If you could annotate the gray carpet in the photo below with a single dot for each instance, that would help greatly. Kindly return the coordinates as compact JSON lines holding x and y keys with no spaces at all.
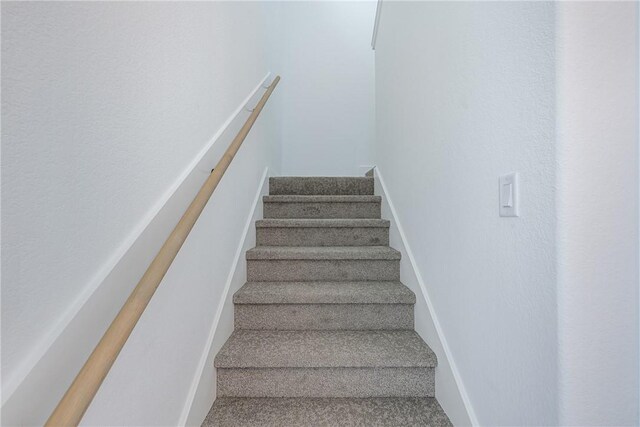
{"x":324,"y":328}
{"x":372,"y":412}
{"x":321,"y":349}
{"x":323,"y":206}
{"x":324,"y":293}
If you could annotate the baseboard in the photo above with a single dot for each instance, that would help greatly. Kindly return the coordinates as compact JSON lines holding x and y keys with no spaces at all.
{"x":203,"y":387}
{"x":450,"y":390}
{"x":33,"y":391}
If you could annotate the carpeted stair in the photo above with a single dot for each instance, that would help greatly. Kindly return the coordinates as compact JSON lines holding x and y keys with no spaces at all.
{"x":323,"y":327}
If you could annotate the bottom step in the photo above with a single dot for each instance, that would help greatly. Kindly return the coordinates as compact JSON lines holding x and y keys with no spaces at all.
{"x":293,"y":412}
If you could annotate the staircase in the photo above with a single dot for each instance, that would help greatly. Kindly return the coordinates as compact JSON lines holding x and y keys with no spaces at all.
{"x":323,"y":327}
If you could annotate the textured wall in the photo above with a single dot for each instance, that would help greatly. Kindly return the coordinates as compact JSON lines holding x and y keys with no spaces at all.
{"x":598,"y":212}
{"x":105,"y":106}
{"x":465,"y":93}
{"x":328,"y":100}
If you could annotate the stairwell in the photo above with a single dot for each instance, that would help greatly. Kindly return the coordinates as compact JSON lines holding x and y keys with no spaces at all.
{"x":324,"y":329}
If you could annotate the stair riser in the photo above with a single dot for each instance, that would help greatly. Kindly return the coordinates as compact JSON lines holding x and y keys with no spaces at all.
{"x":322,"y":270}
{"x":289,"y":412}
{"x":322,"y":236}
{"x":321,"y":186}
{"x":321,"y":210}
{"x":323,"y":316}
{"x":326,"y":382}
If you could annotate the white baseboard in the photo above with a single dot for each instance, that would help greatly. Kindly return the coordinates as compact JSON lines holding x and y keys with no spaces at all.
{"x":34,"y":389}
{"x":203,"y":387}
{"x":450,"y":390}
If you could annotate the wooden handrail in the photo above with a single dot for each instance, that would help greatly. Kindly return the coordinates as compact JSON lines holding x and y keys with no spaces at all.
{"x":76,"y":400}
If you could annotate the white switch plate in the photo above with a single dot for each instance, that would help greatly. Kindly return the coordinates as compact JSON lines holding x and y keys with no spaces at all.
{"x":509,"y":195}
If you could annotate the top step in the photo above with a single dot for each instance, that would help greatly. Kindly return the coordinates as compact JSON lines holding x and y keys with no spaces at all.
{"x":312,"y":185}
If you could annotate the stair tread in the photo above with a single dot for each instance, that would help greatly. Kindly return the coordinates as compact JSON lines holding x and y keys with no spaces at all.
{"x":310,"y":185}
{"x":320,"y":198}
{"x":324,"y":293}
{"x":298,"y":412}
{"x":324,"y":349}
{"x":321,"y":222}
{"x":322,"y":253}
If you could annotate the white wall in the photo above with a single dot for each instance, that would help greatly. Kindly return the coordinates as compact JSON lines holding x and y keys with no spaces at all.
{"x":328,"y":89}
{"x":449,"y":391}
{"x":540,"y":312}
{"x":465,"y":93}
{"x":109,"y":111}
{"x":598,"y":212}
{"x":204,"y":391}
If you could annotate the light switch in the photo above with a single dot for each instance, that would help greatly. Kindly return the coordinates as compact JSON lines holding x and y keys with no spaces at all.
{"x":509,"y":195}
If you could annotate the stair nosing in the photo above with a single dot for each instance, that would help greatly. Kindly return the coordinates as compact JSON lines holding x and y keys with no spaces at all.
{"x":321,"y":198}
{"x":323,"y":223}
{"x":320,"y":253}
{"x":249,"y":293}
